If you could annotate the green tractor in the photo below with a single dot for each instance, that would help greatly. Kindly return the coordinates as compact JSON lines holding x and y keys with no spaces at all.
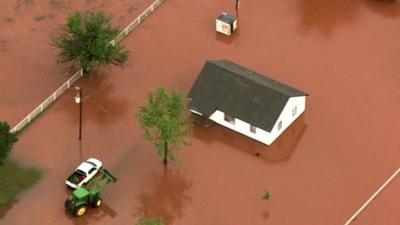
{"x":90,"y":194}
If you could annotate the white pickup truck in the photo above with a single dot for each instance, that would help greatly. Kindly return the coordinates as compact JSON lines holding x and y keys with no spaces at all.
{"x":83,"y":173}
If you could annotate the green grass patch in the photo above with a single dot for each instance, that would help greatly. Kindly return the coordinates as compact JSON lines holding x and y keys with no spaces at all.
{"x":15,"y":179}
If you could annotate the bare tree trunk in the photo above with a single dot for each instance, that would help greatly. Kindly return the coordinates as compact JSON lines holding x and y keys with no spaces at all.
{"x":165,"y":153}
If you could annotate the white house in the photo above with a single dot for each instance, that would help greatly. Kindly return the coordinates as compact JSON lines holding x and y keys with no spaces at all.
{"x":244,"y":101}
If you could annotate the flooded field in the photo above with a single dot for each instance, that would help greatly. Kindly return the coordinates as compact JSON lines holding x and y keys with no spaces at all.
{"x":320,"y":171}
{"x":28,"y":62}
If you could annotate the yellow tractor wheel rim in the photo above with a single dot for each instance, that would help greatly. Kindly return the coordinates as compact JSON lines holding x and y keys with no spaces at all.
{"x":98,"y":203}
{"x":81,"y":211}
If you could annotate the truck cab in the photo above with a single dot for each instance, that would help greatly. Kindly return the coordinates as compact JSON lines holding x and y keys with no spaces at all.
{"x":84,"y":173}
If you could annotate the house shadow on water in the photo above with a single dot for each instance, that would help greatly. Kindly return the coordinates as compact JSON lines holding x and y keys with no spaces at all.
{"x":281,"y":150}
{"x":166,"y":197}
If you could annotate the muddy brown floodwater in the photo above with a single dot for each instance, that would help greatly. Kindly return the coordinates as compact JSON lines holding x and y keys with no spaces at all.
{"x":343,"y":53}
{"x":29,"y":69}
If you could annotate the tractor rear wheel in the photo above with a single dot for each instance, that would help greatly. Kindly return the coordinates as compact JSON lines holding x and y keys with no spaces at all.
{"x":97,"y":202}
{"x":80,"y":210}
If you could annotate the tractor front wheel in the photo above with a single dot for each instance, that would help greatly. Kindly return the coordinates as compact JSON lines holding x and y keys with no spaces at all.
{"x":97,"y":202}
{"x":80,"y":210}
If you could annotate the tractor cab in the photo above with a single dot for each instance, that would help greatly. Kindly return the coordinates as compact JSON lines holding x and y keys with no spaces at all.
{"x":80,"y":195}
{"x":89,"y":194}
{"x":79,"y":201}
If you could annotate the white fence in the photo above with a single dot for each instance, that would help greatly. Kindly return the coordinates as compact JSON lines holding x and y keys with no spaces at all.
{"x":54,"y":96}
{"x":362,"y":208}
{"x":125,"y":32}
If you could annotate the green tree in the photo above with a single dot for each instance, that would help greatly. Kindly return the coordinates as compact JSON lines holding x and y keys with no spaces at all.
{"x":165,"y":123}
{"x":151,"y":221}
{"x":7,"y":140}
{"x":85,"y":40}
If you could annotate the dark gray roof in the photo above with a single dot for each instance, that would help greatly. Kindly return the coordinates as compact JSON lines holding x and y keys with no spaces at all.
{"x":227,"y":18}
{"x":240,"y":92}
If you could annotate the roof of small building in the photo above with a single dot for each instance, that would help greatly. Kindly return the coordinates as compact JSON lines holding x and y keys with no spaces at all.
{"x":227,"y":18}
{"x":240,"y":92}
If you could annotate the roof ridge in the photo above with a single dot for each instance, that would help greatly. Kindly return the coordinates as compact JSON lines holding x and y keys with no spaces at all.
{"x":253,"y":75}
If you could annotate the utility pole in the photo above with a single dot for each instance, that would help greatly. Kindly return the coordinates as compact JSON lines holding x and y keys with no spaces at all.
{"x":79,"y":100}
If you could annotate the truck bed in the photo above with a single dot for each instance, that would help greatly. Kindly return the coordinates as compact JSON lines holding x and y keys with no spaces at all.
{"x":75,"y":178}
{"x":98,"y":182}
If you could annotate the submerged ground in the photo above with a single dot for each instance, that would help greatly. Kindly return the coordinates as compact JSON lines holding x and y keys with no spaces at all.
{"x":343,"y":53}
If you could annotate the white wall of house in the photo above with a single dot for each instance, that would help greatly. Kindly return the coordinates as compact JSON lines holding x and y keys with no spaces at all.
{"x":293,"y":109}
{"x":241,"y":127}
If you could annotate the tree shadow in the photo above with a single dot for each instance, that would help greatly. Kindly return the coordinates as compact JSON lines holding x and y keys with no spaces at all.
{"x":324,"y":16}
{"x":281,"y":150}
{"x":266,"y":215}
{"x":99,"y":106}
{"x":166,"y":197}
{"x":386,"y":8}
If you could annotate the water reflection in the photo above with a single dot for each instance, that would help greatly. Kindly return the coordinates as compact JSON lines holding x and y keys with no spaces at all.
{"x":266,"y":215}
{"x":98,"y":106}
{"x":225,"y":39}
{"x":386,"y":8}
{"x":167,"y":197}
{"x":280,"y":150}
{"x":324,"y":16}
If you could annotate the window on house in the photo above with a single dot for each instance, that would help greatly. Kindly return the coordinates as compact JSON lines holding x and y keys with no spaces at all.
{"x":280,"y":125}
{"x":252,"y":129}
{"x":294,"y":111}
{"x":229,"y":118}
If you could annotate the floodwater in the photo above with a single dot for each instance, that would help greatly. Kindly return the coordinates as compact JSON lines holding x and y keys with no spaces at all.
{"x":343,"y":53}
{"x":28,"y":62}
{"x":383,"y":210}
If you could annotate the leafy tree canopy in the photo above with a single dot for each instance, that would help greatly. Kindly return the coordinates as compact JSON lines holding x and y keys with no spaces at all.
{"x":85,"y":40}
{"x":165,"y":122}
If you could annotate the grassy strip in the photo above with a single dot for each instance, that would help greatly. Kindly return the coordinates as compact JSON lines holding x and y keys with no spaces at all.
{"x":15,"y":179}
